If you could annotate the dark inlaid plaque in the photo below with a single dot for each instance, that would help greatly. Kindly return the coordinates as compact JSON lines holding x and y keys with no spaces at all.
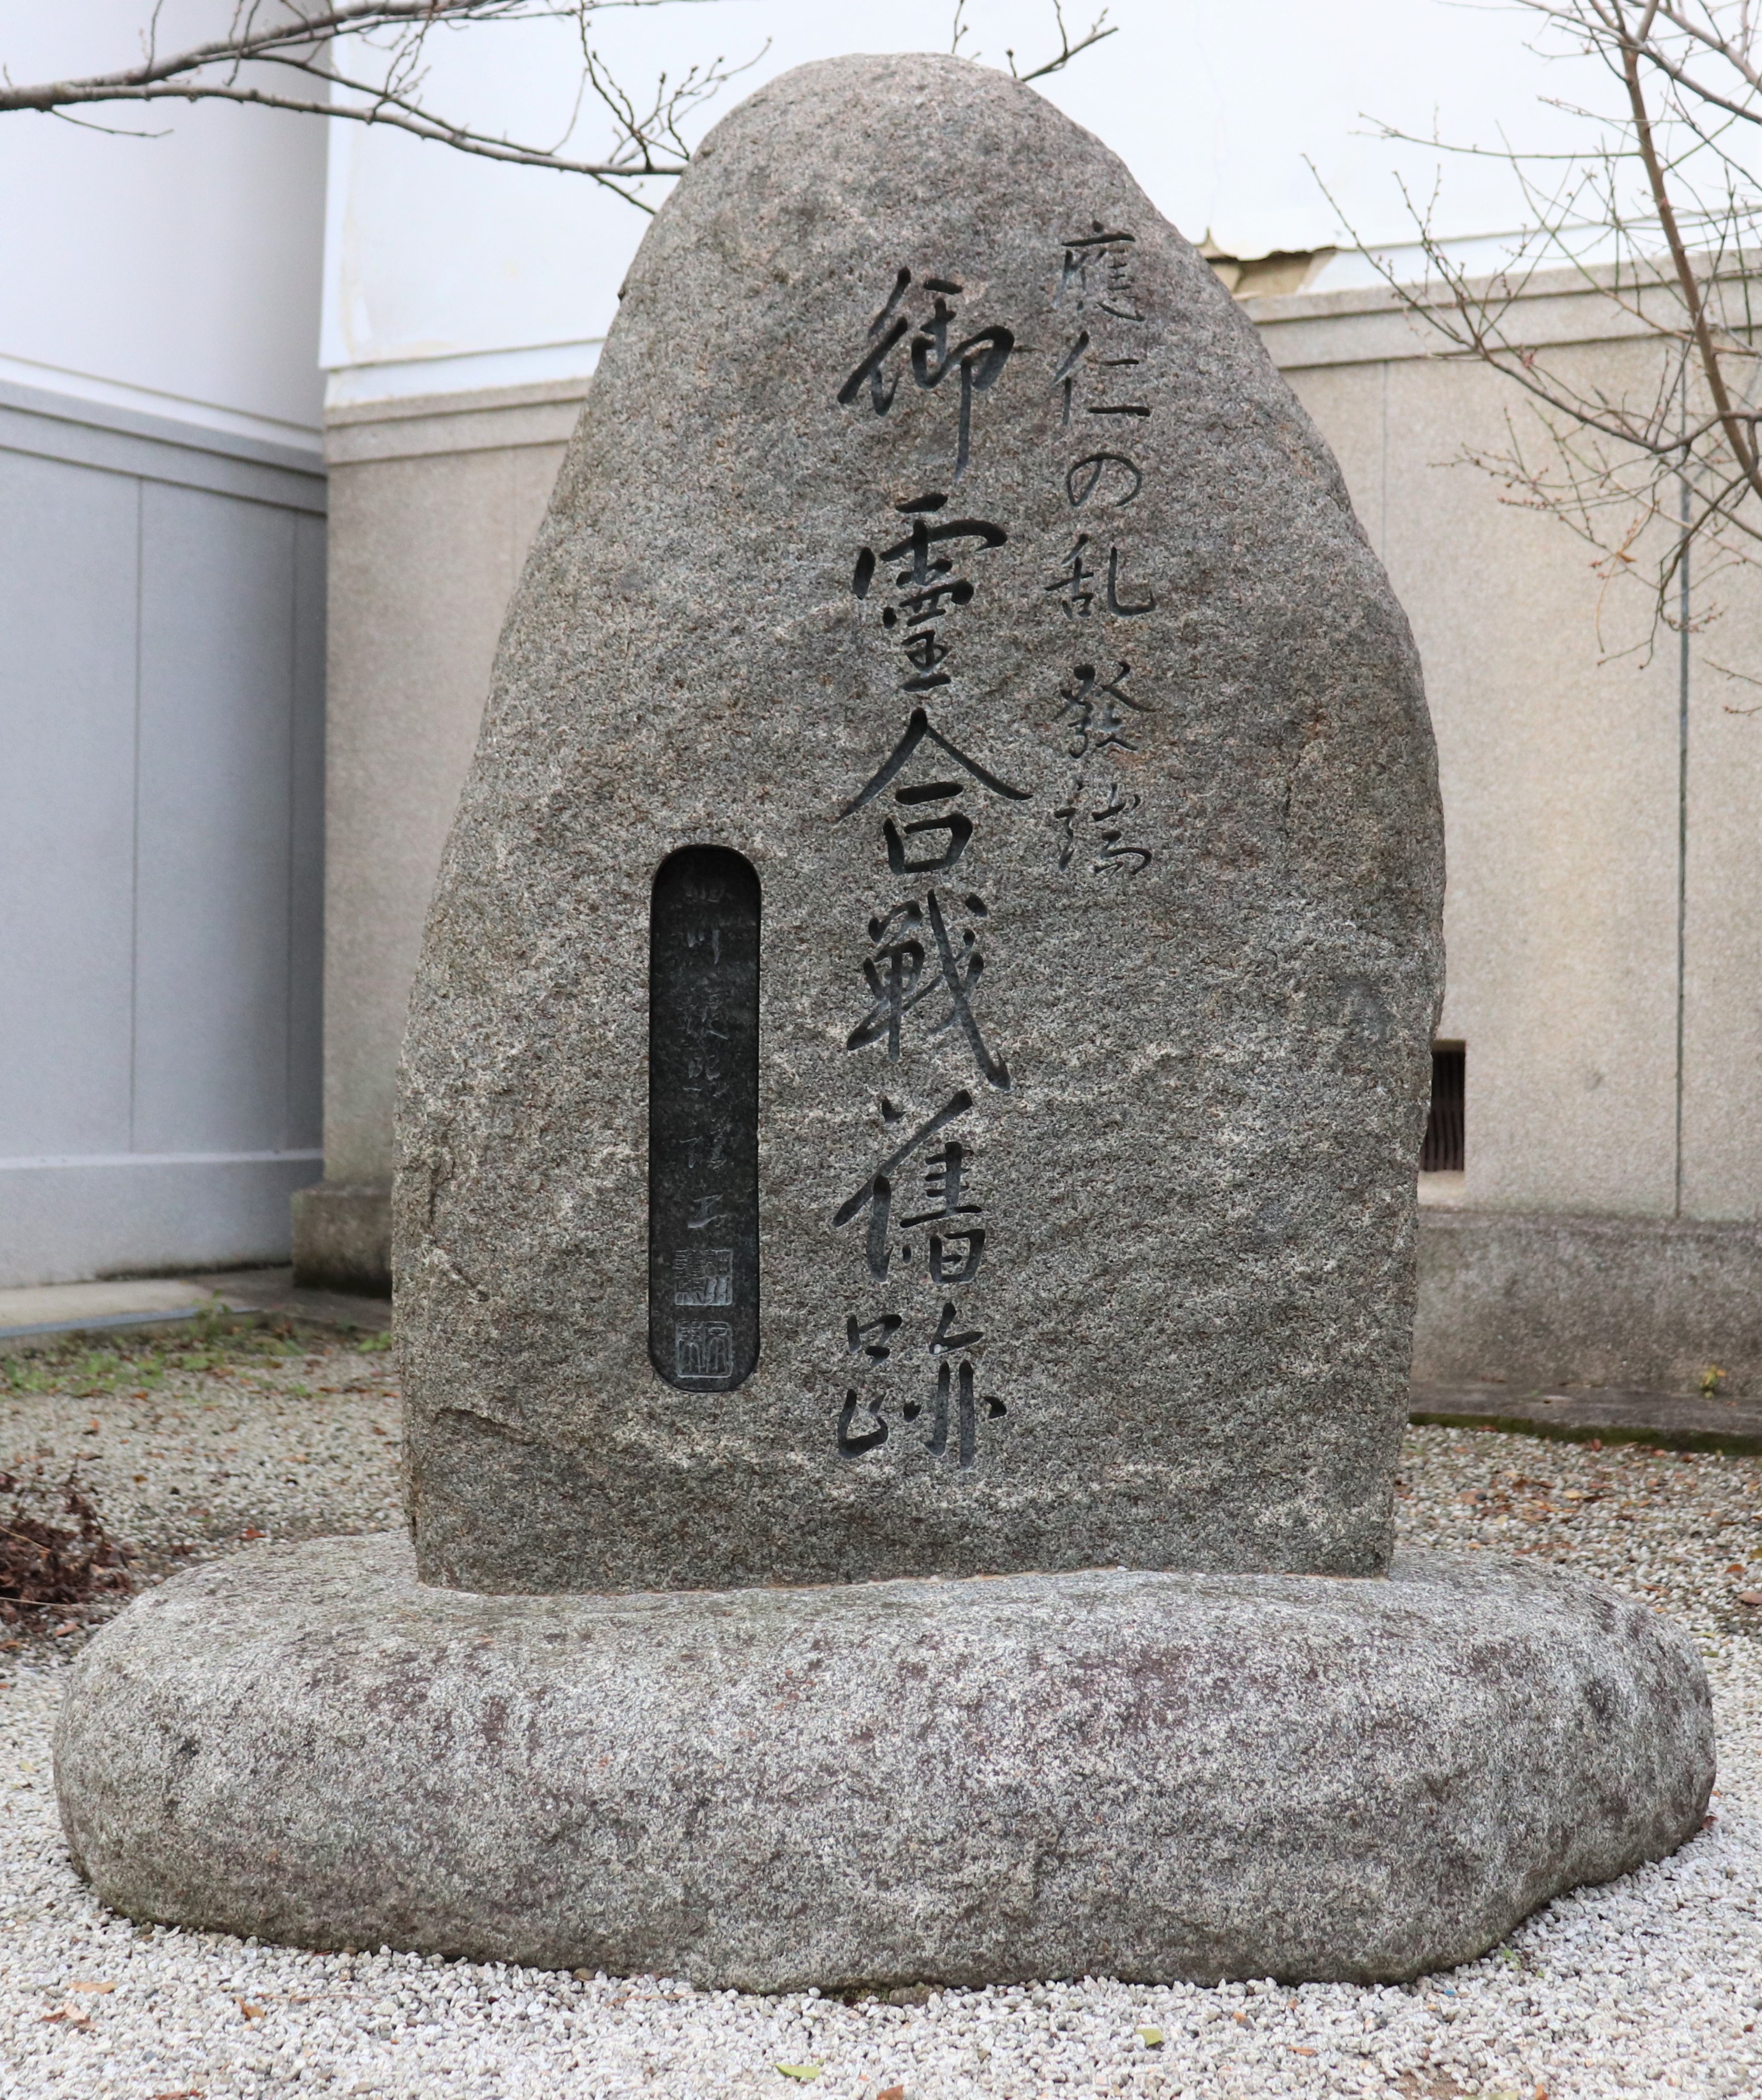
{"x":703,"y":1120}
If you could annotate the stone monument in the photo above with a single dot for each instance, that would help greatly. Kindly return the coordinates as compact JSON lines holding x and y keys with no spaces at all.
{"x":905,"y":1232}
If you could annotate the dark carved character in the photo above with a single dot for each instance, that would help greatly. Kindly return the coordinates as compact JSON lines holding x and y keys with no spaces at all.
{"x":1095,"y":707}
{"x":854,"y":1447}
{"x":1097,"y":271}
{"x":918,"y":732}
{"x":885,"y":1326}
{"x":1111,"y":856}
{"x":1073,"y":581}
{"x":956,"y":827}
{"x":1101,"y":475}
{"x":956,"y":1404}
{"x":876,"y":1194}
{"x":956,"y":1251}
{"x":1115,"y":603}
{"x":1065,"y":816}
{"x":929,"y":844}
{"x":1075,"y":366}
{"x":979,"y":358}
{"x":956,"y":1397}
{"x":1129,"y":860}
{"x":902,"y":973}
{"x":927,"y":589}
{"x":945,"y":1342}
{"x":958,"y":1384}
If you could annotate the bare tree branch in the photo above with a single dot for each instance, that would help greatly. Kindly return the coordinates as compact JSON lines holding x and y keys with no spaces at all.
{"x":1659,"y":216}
{"x":1631,"y":49}
{"x":364,"y":62}
{"x":1067,"y":51}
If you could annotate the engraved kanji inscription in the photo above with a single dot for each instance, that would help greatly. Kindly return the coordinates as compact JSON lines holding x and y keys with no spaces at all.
{"x":978,"y":359}
{"x":1108,"y":480}
{"x":907,"y":968}
{"x":1091,"y":824}
{"x":926,"y":590}
{"x":703,"y":1120}
{"x":1078,"y":584}
{"x":874,"y":1195}
{"x":918,"y":731}
{"x":1100,"y":710}
{"x":1098,"y":272}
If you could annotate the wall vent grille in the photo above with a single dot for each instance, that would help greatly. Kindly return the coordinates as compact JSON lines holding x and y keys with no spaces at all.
{"x":1442,"y":1151}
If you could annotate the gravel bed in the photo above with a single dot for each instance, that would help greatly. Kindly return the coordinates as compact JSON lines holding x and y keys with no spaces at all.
{"x":236,"y":1435}
{"x":1653,"y":1983}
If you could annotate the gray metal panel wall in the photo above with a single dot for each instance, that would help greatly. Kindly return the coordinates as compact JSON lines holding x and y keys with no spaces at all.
{"x":161,"y":717}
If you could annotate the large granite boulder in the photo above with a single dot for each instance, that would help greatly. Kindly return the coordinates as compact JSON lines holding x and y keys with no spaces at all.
{"x":1127,"y":1774}
{"x":922,"y":1041}
{"x":916,"y":1072}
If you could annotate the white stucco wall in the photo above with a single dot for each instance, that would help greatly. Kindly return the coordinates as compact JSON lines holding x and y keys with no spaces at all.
{"x":444,"y":274}
{"x":175,"y":275}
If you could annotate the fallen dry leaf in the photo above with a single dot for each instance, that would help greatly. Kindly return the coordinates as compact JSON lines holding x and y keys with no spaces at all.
{"x":251,"y":2012}
{"x":891,"y":2093}
{"x":806,"y":2072}
{"x":91,"y":1987}
{"x":1750,"y":1597}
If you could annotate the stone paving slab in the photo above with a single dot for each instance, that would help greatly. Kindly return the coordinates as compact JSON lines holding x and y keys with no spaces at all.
{"x":273,"y":1290}
{"x":58,"y":1311}
{"x":1669,"y":1421}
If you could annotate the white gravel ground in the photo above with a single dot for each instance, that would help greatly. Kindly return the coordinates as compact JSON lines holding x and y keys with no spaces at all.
{"x":1652,"y":1983}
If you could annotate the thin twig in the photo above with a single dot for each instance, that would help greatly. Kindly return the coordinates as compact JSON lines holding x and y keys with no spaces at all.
{"x":1658,"y":217}
{"x":1067,"y":51}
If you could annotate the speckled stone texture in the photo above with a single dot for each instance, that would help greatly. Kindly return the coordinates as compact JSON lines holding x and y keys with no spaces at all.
{"x":1127,"y":1774}
{"x":1130,"y":964}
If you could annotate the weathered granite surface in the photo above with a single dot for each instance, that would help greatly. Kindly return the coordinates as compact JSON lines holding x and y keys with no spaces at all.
{"x":1182,"y":866}
{"x":1137,"y":1775}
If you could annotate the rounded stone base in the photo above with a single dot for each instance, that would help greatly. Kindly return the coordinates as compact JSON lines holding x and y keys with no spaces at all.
{"x":1145,"y":1775}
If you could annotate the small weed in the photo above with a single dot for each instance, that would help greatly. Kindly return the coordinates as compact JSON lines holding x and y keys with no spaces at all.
{"x":214,"y":1342}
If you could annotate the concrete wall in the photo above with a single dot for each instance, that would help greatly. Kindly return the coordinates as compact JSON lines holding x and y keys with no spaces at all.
{"x":1567,"y":801}
{"x":162,"y":708}
{"x":444,"y":271}
{"x":1604,"y":1229}
{"x":434,"y":502}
